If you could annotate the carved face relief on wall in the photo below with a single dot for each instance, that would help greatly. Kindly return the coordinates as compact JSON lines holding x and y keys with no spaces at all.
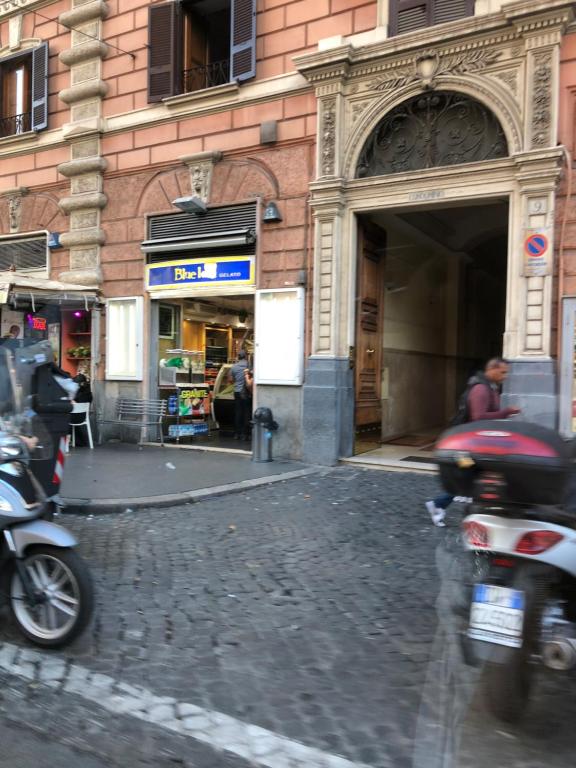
{"x":14,"y":213}
{"x":200,"y":174}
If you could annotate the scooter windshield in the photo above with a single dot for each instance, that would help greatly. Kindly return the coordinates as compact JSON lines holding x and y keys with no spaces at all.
{"x":24,"y":429}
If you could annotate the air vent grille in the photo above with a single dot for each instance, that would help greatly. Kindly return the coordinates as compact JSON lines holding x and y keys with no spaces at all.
{"x":24,"y":255}
{"x":214,"y":222}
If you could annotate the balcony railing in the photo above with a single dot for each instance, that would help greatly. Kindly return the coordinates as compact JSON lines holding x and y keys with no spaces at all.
{"x":198,"y":78}
{"x":12,"y":126}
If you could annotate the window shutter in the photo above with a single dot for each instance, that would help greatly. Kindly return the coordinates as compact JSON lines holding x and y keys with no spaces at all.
{"x":164,"y":28}
{"x":408,"y":15}
{"x":40,"y":88}
{"x":449,"y":10}
{"x":243,"y":40}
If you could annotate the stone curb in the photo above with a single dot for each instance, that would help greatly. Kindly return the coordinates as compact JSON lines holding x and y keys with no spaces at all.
{"x":110,"y":506}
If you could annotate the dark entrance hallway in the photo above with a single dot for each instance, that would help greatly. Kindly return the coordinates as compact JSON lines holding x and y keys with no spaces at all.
{"x":440,"y":303}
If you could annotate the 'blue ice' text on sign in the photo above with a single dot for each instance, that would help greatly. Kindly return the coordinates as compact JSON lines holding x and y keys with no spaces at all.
{"x":223,"y":270}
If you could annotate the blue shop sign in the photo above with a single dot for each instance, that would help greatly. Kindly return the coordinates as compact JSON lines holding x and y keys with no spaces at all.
{"x":222,"y":270}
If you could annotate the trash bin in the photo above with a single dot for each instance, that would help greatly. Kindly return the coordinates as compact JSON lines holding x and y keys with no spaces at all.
{"x":263,"y":425}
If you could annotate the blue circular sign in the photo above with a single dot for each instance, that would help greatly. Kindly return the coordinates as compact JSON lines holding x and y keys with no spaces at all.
{"x":536,"y":245}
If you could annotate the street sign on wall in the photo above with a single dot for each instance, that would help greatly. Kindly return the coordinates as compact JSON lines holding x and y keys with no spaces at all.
{"x":537,"y":253}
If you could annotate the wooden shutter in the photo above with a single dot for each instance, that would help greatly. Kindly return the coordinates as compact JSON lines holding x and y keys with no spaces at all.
{"x":40,"y":88}
{"x":164,"y":47}
{"x":449,"y":10}
{"x":243,"y":40}
{"x":408,"y":15}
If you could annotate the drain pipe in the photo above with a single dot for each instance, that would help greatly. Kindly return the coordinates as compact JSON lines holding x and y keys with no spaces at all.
{"x":561,"y":246}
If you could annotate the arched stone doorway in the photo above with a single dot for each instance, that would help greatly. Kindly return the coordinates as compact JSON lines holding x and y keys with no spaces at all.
{"x":431,"y":279}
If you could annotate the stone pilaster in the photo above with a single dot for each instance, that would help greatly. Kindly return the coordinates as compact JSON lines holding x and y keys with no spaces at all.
{"x":532,"y":280}
{"x":327,"y":278}
{"x":86,"y":165}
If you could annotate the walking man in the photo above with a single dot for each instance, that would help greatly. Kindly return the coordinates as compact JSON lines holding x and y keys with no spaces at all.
{"x":480,"y":402}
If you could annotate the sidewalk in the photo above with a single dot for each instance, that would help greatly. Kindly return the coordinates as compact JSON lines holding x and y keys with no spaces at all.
{"x":120,"y":476}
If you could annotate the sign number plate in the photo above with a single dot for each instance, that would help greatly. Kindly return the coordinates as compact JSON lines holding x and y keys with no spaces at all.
{"x":497,"y":615}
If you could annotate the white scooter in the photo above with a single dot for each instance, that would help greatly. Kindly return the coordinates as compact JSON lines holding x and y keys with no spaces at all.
{"x":521,"y":598}
{"x":44,"y":582}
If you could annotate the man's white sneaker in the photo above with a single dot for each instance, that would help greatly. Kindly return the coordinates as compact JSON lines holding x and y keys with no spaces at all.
{"x":438,"y":520}
{"x":437,"y":515}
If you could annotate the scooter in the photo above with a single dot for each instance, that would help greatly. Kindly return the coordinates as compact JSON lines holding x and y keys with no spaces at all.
{"x":520,"y":601}
{"x":45,"y":583}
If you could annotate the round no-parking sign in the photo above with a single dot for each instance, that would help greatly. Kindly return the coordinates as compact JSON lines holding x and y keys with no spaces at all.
{"x":536,"y":250}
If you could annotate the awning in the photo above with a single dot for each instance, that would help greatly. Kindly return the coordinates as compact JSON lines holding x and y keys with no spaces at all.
{"x":230,"y":238}
{"x":16,"y":286}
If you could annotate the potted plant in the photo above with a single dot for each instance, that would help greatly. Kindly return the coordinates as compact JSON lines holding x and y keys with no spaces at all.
{"x":79,"y":351}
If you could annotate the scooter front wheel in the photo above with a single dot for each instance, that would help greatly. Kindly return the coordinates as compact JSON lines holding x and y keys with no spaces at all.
{"x":66,"y":597}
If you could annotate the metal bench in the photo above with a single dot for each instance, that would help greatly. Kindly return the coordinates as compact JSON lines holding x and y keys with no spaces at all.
{"x":133,"y":412}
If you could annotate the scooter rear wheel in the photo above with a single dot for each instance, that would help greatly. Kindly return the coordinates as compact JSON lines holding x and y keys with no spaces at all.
{"x":62,"y":578}
{"x":508,"y":686}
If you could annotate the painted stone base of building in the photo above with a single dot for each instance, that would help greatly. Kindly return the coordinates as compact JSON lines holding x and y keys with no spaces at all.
{"x":533,"y":386}
{"x":328,"y":404}
{"x":328,"y":410}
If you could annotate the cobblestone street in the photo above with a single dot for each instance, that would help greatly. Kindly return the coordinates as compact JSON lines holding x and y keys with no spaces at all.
{"x":302,"y":613}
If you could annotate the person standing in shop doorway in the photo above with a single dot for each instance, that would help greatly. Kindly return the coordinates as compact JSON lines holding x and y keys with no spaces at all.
{"x":237,"y":376}
{"x":480,"y":401}
{"x":248,"y":392}
{"x":13,"y":333}
{"x":10,"y":339}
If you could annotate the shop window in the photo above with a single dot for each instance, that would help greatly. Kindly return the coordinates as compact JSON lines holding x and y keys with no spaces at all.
{"x":27,"y":254}
{"x":409,"y":15}
{"x":166,"y":321}
{"x":124,"y":347}
{"x":24,"y":92}
{"x":197,"y":44}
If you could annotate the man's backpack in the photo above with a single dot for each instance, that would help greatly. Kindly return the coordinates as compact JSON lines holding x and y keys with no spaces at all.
{"x":462,"y":415}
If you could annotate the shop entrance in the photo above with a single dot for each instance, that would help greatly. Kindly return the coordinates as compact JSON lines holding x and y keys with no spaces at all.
{"x":199,"y":339}
{"x":430,"y":310}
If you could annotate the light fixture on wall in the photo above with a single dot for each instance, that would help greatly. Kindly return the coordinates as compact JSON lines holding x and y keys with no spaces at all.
{"x":271,"y":213}
{"x":54,"y":240}
{"x":190,"y":204}
{"x":394,"y":288}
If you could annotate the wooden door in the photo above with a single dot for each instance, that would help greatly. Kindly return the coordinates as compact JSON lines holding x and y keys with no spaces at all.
{"x":369,"y":322}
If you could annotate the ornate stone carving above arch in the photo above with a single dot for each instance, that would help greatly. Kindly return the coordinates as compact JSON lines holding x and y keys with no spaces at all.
{"x":232,"y":181}
{"x":493,"y":98}
{"x":36,"y":211}
{"x":431,"y":130}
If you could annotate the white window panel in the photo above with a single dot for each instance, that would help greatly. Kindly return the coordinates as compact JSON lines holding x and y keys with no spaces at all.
{"x":124,"y":342}
{"x":279,"y":336}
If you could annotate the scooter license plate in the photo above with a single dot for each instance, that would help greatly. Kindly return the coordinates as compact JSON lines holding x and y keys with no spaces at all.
{"x":497,"y":615}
